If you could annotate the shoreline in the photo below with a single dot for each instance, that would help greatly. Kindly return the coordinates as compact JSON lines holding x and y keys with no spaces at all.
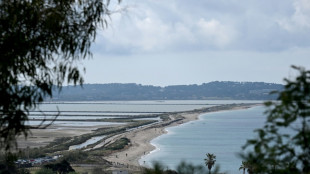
{"x":141,"y":138}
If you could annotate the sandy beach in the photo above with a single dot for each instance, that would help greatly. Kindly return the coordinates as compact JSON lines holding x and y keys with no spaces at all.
{"x":141,"y":138}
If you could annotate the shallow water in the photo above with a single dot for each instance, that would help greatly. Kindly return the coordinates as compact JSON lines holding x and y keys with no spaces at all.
{"x":221,"y":133}
{"x":113,"y":109}
{"x":70,"y":117}
{"x":86,"y":143}
{"x":74,"y":123}
{"x":137,"y":106}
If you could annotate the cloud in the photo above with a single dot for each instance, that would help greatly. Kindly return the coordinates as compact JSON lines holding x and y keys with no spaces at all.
{"x":214,"y":32}
{"x":300,"y":20}
{"x":140,"y":29}
{"x":150,"y":26}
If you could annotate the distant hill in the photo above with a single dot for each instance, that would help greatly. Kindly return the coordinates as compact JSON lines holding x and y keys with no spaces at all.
{"x":131,"y":91}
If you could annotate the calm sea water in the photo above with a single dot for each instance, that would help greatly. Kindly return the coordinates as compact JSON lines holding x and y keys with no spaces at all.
{"x":221,"y":133}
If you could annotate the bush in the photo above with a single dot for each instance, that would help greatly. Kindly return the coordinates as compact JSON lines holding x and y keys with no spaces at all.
{"x":45,"y":171}
{"x":62,"y":167}
{"x":75,"y":156}
{"x":119,"y":144}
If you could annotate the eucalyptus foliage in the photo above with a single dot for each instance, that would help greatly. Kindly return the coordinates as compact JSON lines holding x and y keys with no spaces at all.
{"x":283,"y":144}
{"x":41,"y":45}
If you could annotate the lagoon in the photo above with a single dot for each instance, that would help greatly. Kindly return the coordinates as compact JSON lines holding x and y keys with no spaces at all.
{"x":83,"y":110}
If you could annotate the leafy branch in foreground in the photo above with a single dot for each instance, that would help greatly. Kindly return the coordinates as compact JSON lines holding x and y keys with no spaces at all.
{"x":41,"y":43}
{"x":283,"y":144}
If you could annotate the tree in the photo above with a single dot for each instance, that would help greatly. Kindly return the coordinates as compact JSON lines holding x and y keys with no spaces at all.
{"x":41,"y":44}
{"x":243,"y":166}
{"x":62,"y":167}
{"x":210,"y":161}
{"x":283,"y":144}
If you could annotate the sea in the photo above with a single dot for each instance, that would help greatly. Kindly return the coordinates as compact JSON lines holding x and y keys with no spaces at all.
{"x":220,"y":133}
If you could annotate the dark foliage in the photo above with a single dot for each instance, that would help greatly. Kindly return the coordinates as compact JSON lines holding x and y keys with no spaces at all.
{"x":7,"y":164}
{"x":158,"y":168}
{"x":62,"y":167}
{"x":45,"y":171}
{"x":182,"y":168}
{"x":75,"y":156}
{"x":118,"y":144}
{"x":41,"y":43}
{"x":283,"y":144}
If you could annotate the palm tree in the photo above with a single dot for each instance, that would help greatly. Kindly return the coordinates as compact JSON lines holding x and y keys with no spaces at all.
{"x":243,"y":166}
{"x":210,"y":161}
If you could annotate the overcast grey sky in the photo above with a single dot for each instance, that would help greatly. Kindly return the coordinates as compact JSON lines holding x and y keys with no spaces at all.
{"x":170,"y":42}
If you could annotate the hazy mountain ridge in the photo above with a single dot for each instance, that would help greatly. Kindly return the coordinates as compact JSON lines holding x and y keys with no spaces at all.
{"x":132,"y":91}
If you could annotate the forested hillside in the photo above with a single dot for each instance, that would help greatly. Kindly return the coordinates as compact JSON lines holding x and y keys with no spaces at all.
{"x":212,"y":90}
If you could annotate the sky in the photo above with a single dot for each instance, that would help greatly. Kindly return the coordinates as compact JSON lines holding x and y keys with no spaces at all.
{"x":181,"y":42}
